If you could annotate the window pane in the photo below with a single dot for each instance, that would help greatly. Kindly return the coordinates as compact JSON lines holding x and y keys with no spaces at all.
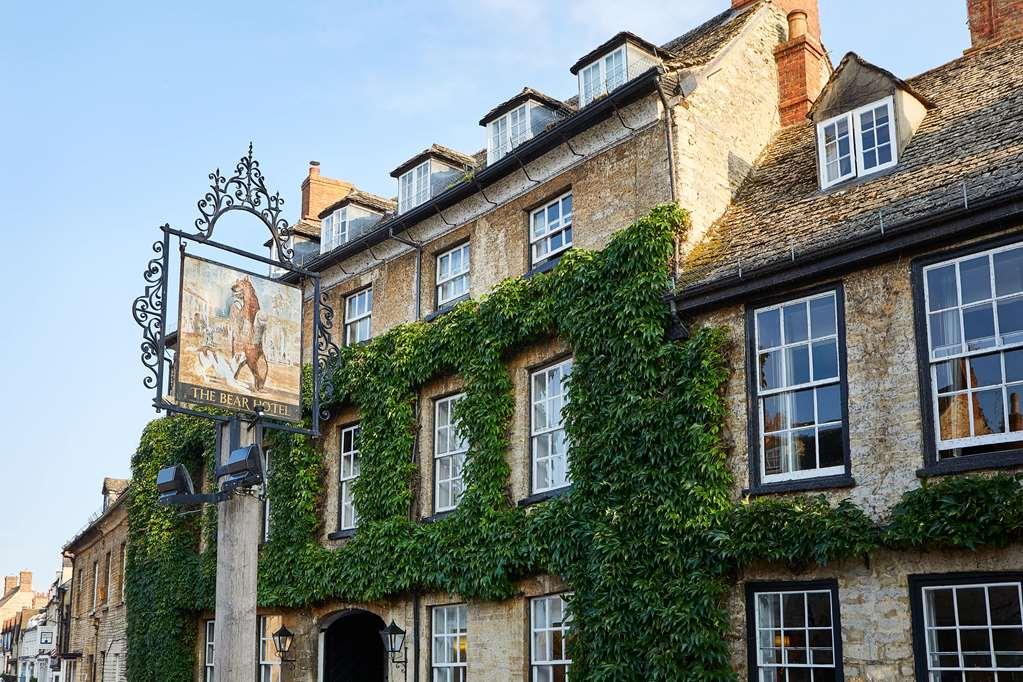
{"x":975,"y":279}
{"x":768,"y":329}
{"x":802,"y":407}
{"x":986,"y":370}
{"x":1009,"y":271}
{"x":829,"y":404}
{"x":831,"y":448}
{"x":945,"y":338}
{"x":979,"y":326}
{"x":825,"y":359}
{"x":797,"y":365}
{"x":795,"y":322}
{"x":776,"y":454}
{"x":770,"y":370}
{"x":822,"y":316}
{"x":940,"y":608}
{"x":951,"y":375}
{"x":989,"y":416}
{"x":1015,"y":408}
{"x":804,"y":449}
{"x":953,"y":417}
{"x":1005,"y":605}
{"x":775,"y":413}
{"x":941,"y":288}
{"x":1010,"y":320}
{"x":818,"y":606}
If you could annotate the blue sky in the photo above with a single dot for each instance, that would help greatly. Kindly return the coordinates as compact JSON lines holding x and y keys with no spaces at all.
{"x":113,"y":113}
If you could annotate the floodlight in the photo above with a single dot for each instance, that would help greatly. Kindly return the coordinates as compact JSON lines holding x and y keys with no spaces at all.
{"x":173,"y":482}
{"x":245,"y":468}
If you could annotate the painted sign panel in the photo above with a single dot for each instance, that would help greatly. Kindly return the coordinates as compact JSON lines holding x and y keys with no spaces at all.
{"x":239,"y":341}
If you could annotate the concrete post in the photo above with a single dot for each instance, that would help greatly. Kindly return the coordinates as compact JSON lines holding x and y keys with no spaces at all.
{"x":239,"y":523}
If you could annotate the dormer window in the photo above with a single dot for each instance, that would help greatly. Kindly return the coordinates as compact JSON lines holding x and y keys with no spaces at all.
{"x":507,"y":132}
{"x":602,"y":76}
{"x":857,"y":143}
{"x":345,"y":224}
{"x":414,"y":187}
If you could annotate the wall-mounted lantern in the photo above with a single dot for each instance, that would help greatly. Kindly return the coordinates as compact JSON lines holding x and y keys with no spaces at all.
{"x":394,"y":644}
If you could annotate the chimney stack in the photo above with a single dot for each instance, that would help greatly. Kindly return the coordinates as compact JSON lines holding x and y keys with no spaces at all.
{"x":803,"y":66}
{"x":813,"y":17}
{"x":25,"y":581}
{"x":10,"y":584}
{"x":319,"y":192}
{"x":992,"y":21}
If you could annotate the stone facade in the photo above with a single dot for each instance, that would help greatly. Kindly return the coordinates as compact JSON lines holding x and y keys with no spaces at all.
{"x":695,"y":141}
{"x":97,"y":640}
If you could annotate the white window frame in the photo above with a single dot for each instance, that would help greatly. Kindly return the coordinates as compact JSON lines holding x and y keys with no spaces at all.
{"x":209,"y":648}
{"x":765,"y":669}
{"x":502,"y":135}
{"x":267,"y":663}
{"x":546,"y":629}
{"x":449,"y":628}
{"x":334,"y":230}
{"x":454,"y":456}
{"x":446,"y":275}
{"x":348,"y":473}
{"x":414,"y":187}
{"x":858,"y":166}
{"x":958,"y":629}
{"x":762,"y":393}
{"x":536,"y":433}
{"x":600,"y":64}
{"x":352,"y":322}
{"x":967,"y":354}
{"x":563,"y":226}
{"x":124,"y":570}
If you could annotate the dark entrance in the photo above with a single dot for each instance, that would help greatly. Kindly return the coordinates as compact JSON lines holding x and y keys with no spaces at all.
{"x":353,"y":650}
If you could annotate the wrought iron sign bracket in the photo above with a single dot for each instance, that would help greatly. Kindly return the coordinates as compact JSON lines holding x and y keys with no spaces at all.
{"x":244,"y":191}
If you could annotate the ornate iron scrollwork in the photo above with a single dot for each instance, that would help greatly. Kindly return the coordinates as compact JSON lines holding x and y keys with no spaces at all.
{"x":327,"y":354}
{"x":245,"y":191}
{"x":148,"y":313}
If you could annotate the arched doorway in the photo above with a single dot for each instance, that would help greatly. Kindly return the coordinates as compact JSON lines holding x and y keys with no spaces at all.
{"x":351,"y":648}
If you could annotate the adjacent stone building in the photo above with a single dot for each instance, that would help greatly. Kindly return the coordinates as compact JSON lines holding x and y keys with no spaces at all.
{"x":859,"y":236}
{"x":94,"y":643}
{"x":18,"y":603}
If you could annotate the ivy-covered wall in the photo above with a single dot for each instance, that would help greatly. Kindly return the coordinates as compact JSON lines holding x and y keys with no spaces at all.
{"x":648,"y":538}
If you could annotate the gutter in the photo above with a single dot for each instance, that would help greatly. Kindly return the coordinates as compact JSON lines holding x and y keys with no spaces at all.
{"x":550,"y":139}
{"x":1005,"y":210}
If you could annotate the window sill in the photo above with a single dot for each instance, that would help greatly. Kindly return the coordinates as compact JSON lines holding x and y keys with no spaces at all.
{"x":446,"y":308}
{"x":342,"y":534}
{"x":801,"y":485}
{"x":545,"y":266}
{"x":957,"y":465}
{"x":439,"y":516}
{"x":536,"y":498}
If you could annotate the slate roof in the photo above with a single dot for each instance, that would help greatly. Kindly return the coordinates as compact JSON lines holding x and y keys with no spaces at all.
{"x":456,"y":158}
{"x":526,"y":94}
{"x":367,"y":199}
{"x":702,"y":43}
{"x":970,"y":139}
{"x":613,"y":42}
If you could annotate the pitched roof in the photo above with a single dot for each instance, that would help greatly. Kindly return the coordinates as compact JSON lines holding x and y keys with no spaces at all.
{"x":613,"y":42}
{"x":367,"y":199}
{"x":443,"y":153}
{"x":526,"y":94}
{"x":969,"y":145}
{"x":852,"y":58}
{"x":702,"y":43}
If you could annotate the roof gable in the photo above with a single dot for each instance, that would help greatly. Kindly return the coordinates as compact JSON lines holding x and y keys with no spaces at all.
{"x":857,"y":82}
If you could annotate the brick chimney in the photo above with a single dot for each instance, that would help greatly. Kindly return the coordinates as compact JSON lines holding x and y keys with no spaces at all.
{"x":813,"y":15}
{"x":319,"y":192}
{"x":802,"y":66}
{"x":10,"y":585}
{"x":25,"y":581}
{"x":992,"y":21}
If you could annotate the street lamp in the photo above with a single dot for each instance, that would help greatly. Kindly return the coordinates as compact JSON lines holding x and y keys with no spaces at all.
{"x":283,"y":639}
{"x":394,"y":643}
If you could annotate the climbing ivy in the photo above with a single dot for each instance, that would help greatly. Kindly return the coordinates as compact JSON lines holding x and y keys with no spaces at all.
{"x":648,"y":537}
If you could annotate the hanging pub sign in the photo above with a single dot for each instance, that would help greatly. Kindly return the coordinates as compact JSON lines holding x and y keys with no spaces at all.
{"x":239,"y":340}
{"x":241,"y":336}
